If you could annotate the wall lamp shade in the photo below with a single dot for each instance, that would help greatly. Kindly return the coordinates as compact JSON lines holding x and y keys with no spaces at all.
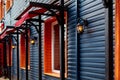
{"x":33,"y":40}
{"x":13,"y":46}
{"x":80,"y":28}
{"x":81,"y":25}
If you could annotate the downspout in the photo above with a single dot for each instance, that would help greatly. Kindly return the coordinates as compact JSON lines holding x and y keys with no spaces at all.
{"x":26,"y":31}
{"x":40,"y":51}
{"x":109,"y":39}
{"x":5,"y":59}
{"x":17,"y":55}
{"x":62,"y":55}
{"x":77,"y":41}
{"x":9,"y":57}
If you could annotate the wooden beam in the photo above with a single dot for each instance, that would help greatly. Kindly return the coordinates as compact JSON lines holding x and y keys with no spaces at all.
{"x":117,"y":40}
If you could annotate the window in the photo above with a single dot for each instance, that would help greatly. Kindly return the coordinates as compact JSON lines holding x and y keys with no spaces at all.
{"x":8,"y":4}
{"x":52,"y":47}
{"x":23,"y":51}
{"x":55,"y":48}
{"x":9,"y":52}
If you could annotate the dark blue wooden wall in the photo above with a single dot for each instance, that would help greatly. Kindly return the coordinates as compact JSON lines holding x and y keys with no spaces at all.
{"x":92,"y":41}
{"x":34,"y":58}
{"x":72,"y":41}
{"x":86,"y":52}
{"x":14,"y":63}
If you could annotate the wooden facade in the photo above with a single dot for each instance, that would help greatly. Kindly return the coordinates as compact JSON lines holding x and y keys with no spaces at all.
{"x":85,"y":57}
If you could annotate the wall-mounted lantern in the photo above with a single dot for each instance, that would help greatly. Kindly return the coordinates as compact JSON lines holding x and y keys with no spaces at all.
{"x":13,"y":46}
{"x":81,"y":25}
{"x":33,"y":40}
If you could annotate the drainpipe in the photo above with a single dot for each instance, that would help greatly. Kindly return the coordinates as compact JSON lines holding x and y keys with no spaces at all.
{"x":26,"y":31}
{"x":17,"y":55}
{"x":62,"y":55}
{"x":109,"y":40}
{"x":9,"y":68}
{"x":77,"y":41}
{"x":40,"y":54}
{"x":5,"y":59}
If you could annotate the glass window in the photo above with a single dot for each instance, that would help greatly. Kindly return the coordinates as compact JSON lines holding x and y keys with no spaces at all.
{"x":56,"y":48}
{"x":23,"y":51}
{"x":52,"y":47}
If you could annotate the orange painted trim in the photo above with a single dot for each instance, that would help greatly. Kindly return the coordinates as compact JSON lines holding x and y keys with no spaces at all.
{"x":57,"y":75}
{"x":53,"y":74}
{"x":9,"y":53}
{"x":8,"y":4}
{"x":48,"y":48}
{"x":1,"y":9}
{"x":25,"y":67}
{"x":117,"y":40}
{"x":23,"y":51}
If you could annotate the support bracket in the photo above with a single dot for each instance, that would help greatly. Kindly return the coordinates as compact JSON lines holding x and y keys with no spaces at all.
{"x":34,"y":26}
{"x":105,"y":3}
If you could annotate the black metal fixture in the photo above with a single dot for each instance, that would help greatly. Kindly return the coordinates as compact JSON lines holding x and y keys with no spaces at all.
{"x":40,"y":49}
{"x":109,"y":55}
{"x":62,"y":55}
{"x":81,"y":25}
{"x":105,"y":3}
{"x":18,"y":55}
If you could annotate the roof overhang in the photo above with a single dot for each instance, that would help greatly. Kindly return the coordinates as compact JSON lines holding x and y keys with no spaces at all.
{"x":29,"y":16}
{"x":6,"y":31}
{"x":33,"y":9}
{"x":31,"y":5}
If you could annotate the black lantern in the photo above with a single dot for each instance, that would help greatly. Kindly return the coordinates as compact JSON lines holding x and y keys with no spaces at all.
{"x":33,"y":40}
{"x":13,"y":46}
{"x":81,"y":25}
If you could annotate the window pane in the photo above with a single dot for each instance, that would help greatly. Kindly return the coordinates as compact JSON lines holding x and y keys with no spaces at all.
{"x":56,"y":48}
